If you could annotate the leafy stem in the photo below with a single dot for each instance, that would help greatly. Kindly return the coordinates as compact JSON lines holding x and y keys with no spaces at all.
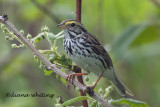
{"x":49,"y":41}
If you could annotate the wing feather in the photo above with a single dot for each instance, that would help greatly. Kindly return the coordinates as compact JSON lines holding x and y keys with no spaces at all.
{"x":98,"y":49}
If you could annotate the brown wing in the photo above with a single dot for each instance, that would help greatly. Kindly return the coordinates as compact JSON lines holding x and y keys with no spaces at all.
{"x":99,"y":49}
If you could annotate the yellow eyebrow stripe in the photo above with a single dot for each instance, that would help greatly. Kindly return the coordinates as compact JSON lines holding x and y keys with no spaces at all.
{"x":68,"y":23}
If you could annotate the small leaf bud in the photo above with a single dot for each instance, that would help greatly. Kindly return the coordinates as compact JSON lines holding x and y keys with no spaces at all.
{"x":29,"y":36}
{"x":45,"y":29}
{"x":100,"y":91}
{"x":7,"y":37}
{"x":22,"y":31}
{"x":14,"y":46}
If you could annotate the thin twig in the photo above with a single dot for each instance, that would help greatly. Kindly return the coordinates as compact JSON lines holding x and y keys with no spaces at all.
{"x":80,"y":79}
{"x":53,"y":67}
{"x":78,"y":10}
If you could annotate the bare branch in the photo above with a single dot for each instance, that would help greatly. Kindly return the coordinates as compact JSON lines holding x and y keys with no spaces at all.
{"x":80,"y":79}
{"x":78,"y":10}
{"x":53,"y":67}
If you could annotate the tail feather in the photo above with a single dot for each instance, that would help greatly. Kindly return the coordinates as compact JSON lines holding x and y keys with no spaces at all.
{"x":123,"y":90}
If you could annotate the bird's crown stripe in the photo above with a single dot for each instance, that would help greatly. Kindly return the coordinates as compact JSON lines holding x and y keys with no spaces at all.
{"x":67,"y":23}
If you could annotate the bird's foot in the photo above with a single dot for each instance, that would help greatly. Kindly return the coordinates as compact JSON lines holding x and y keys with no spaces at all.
{"x":89,"y":90}
{"x":72,"y":76}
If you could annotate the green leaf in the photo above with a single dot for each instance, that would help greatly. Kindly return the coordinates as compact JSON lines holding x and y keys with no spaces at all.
{"x":51,"y":36}
{"x":151,"y":33}
{"x":39,"y":37}
{"x":63,"y":80}
{"x":57,"y":76}
{"x":123,"y":41}
{"x":52,"y":57}
{"x":64,"y":60}
{"x":93,"y":104}
{"x":135,"y":36}
{"x":130,"y":102}
{"x":48,"y":72}
{"x":75,"y":100}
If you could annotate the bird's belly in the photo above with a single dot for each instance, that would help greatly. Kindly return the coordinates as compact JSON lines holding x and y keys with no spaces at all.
{"x":89,"y":64}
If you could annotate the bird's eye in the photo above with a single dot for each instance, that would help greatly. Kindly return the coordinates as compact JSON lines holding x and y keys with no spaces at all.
{"x":72,"y":24}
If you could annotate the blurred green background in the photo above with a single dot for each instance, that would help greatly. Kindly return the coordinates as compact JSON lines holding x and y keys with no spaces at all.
{"x":129,"y":30}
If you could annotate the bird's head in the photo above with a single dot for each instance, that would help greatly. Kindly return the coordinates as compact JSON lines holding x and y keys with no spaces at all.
{"x":72,"y":28}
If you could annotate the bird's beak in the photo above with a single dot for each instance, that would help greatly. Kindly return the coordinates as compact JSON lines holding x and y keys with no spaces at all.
{"x":61,"y":26}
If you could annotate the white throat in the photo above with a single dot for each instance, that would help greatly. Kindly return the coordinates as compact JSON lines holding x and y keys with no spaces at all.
{"x":66,"y":34}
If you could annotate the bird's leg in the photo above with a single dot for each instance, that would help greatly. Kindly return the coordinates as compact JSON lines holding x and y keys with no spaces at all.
{"x":70,"y":77}
{"x":90,"y":89}
{"x":96,"y":82}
